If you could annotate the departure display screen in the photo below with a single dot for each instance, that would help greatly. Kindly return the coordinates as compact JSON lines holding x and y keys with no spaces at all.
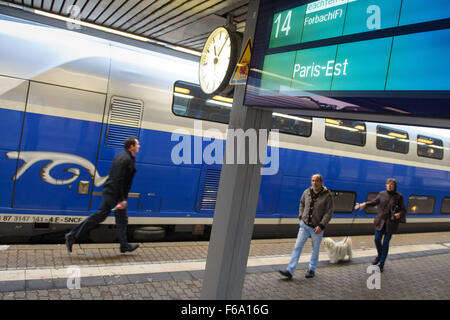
{"x":373,"y":56}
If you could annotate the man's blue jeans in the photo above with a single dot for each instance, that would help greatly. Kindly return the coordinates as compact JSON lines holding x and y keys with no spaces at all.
{"x":303,"y":234}
{"x":382,"y":249}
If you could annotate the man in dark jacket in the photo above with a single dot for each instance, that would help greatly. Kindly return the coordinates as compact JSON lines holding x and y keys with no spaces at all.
{"x":391,"y":211}
{"x":114,"y":198}
{"x":315,"y":212}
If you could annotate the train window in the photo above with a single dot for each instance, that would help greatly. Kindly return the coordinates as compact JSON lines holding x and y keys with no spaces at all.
{"x":430,"y":147}
{"x":345,"y":131}
{"x":300,"y":126}
{"x":393,"y":140}
{"x":190,"y":101}
{"x":420,"y":205}
{"x":445,"y":207}
{"x":344,"y":201}
{"x":371,"y":210}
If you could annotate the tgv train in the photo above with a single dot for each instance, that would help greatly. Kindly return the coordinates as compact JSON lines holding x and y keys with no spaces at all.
{"x":68,"y":100}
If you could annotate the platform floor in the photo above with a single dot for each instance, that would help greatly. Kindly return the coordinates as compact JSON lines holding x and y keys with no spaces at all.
{"x":418,"y":267}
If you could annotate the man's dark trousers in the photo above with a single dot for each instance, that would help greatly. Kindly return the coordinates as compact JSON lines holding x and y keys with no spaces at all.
{"x":108,"y":202}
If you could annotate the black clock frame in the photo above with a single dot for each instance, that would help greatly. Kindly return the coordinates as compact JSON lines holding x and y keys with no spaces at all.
{"x":236,"y":41}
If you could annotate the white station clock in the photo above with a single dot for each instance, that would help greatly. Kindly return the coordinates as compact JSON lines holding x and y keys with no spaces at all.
{"x":218,"y":60}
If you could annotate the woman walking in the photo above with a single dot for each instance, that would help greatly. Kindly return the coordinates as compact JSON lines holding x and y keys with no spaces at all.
{"x":391,"y":210}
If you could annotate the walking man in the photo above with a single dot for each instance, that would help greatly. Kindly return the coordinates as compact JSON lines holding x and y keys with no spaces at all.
{"x":114,"y":198}
{"x":316,"y":210}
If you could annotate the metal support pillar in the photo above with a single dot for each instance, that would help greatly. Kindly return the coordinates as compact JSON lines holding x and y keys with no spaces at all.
{"x":236,"y":200}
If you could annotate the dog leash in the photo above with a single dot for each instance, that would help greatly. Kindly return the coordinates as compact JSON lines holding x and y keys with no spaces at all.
{"x":351,"y":225}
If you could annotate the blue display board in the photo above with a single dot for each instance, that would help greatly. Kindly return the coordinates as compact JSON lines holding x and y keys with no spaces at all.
{"x":369,"y":56}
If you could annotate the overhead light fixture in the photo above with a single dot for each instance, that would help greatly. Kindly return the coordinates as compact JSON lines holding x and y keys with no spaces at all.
{"x":90,"y":25}
{"x":426,"y":141}
{"x":223,"y":99}
{"x":332,"y":121}
{"x":182,"y":90}
{"x":398,"y":135}
{"x":113,"y":31}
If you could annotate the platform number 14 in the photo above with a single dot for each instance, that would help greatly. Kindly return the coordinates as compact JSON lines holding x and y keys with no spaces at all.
{"x":286,"y":24}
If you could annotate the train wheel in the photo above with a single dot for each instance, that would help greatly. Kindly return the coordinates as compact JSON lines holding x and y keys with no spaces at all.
{"x":149,"y":233}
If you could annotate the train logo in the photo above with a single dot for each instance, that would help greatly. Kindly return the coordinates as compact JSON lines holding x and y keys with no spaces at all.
{"x":56,"y":158}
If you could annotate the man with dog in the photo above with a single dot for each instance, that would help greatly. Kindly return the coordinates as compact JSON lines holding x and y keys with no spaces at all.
{"x":391,"y":211}
{"x":315,"y":212}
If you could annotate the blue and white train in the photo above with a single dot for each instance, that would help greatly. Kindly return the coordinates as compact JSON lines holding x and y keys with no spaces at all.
{"x":68,"y":100}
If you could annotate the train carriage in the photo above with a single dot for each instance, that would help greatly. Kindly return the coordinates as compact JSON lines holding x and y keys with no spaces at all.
{"x":68,"y":100}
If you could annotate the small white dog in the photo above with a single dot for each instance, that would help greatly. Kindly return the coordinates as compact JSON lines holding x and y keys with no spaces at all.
{"x":337,"y":250}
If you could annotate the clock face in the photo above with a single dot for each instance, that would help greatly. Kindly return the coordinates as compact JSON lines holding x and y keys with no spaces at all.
{"x":217,"y":60}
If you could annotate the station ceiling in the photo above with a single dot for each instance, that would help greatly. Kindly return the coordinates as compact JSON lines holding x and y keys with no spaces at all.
{"x":185,"y":23}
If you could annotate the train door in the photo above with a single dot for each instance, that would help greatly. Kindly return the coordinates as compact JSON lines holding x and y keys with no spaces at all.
{"x":56,"y":167}
{"x":13,"y":93}
{"x":123,"y":119}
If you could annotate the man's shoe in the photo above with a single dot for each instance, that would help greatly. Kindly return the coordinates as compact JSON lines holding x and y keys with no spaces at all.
{"x":309,"y":274}
{"x":376,"y":260}
{"x":285,"y":273}
{"x":130,"y":248}
{"x":381,"y":266}
{"x":69,"y":242}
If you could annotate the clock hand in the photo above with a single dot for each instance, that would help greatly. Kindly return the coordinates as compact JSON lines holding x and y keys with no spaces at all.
{"x":223,"y":45}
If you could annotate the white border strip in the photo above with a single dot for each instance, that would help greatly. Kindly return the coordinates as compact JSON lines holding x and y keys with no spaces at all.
{"x":74,"y":219}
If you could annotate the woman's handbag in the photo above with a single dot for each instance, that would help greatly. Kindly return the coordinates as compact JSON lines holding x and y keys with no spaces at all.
{"x":396,"y":208}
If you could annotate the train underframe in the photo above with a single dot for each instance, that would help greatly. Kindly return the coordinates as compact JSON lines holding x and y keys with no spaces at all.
{"x":20,"y":233}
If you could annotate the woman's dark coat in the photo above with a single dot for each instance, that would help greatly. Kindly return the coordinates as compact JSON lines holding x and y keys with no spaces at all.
{"x":386,"y":202}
